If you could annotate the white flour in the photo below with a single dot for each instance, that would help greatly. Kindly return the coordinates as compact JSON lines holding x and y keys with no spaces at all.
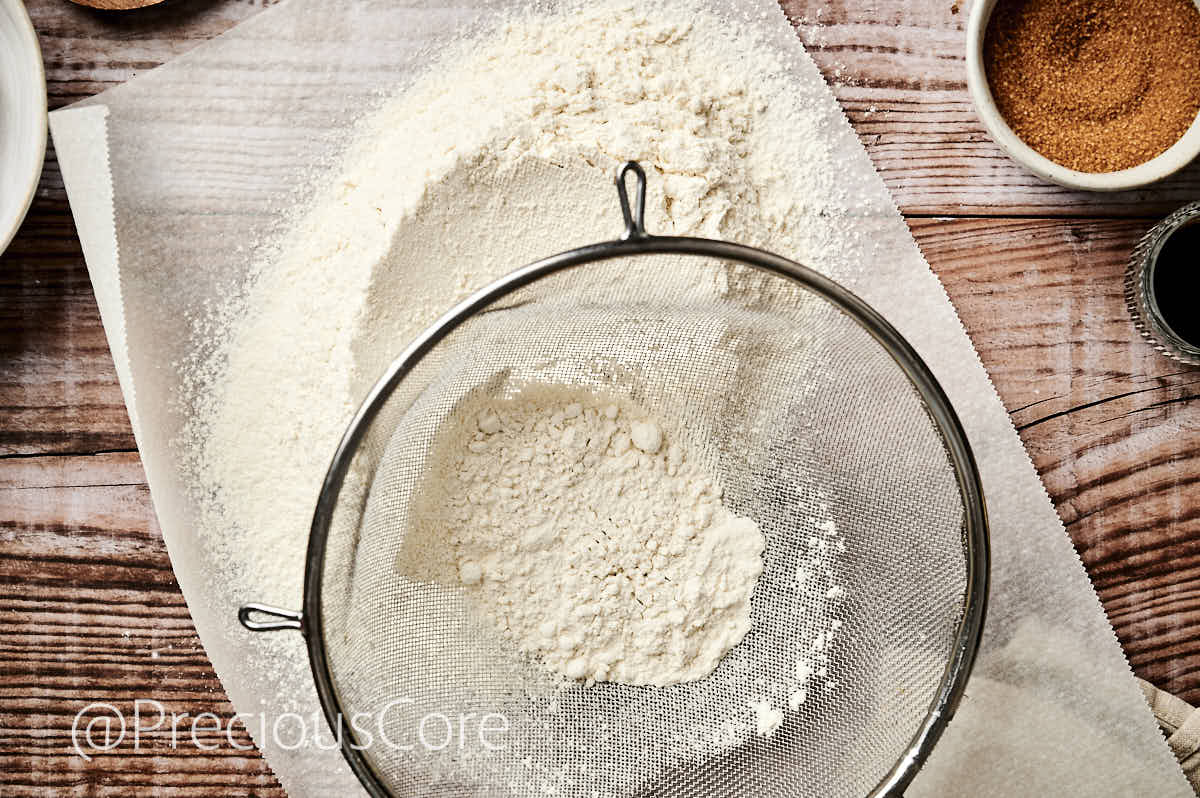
{"x":591,"y":540}
{"x":434,"y":201}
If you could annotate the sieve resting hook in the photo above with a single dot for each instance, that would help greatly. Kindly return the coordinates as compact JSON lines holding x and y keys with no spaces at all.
{"x":265,"y":618}
{"x":635,"y":220}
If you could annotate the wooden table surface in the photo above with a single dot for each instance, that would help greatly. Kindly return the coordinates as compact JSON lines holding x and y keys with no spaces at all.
{"x":89,"y":608}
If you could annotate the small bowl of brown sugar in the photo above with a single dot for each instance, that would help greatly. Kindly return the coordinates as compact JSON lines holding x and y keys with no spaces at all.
{"x":1092,"y":94}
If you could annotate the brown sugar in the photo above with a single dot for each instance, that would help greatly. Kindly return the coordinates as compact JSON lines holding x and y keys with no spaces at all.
{"x":1095,"y":85}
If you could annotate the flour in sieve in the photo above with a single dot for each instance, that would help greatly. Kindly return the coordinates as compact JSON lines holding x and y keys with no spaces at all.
{"x":592,"y":541}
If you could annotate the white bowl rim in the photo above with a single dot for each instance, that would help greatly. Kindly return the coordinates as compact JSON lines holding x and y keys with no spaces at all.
{"x":37,"y":73}
{"x":1174,"y":158}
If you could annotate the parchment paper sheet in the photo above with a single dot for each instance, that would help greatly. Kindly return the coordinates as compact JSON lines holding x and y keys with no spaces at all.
{"x":172,"y":174}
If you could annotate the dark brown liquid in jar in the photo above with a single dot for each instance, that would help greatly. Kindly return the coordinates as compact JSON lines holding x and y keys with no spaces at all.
{"x":1176,"y":283}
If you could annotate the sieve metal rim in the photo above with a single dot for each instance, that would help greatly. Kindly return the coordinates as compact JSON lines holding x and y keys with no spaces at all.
{"x":635,"y":241}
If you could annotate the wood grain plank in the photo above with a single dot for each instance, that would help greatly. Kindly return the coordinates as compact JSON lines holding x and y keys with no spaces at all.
{"x":58,"y":385}
{"x":110,"y":469}
{"x":1112,"y":426}
{"x":49,"y":322}
{"x":91,"y":612}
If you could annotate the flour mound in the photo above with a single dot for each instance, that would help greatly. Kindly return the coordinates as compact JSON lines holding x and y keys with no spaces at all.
{"x":588,"y":537}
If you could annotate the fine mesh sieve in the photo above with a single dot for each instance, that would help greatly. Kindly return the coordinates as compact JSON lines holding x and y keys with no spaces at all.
{"x":813,"y":414}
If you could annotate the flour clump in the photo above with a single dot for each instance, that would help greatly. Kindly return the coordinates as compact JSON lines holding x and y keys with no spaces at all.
{"x":590,"y":537}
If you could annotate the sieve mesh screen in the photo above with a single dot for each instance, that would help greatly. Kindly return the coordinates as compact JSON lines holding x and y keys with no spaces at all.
{"x":803,"y":417}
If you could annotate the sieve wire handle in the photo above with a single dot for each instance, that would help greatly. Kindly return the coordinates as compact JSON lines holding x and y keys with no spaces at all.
{"x":251,"y":617}
{"x":635,"y":219}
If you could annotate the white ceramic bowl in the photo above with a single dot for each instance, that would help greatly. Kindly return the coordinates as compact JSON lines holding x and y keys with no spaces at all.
{"x":1175,"y":158}
{"x":22,"y":116}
